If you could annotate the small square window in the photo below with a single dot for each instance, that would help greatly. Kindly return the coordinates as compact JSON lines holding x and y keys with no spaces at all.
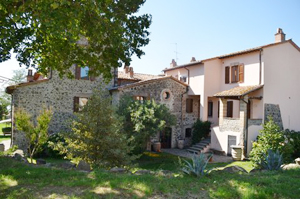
{"x":188,"y":132}
{"x":183,"y":78}
{"x":84,"y":73}
{"x":79,"y":103}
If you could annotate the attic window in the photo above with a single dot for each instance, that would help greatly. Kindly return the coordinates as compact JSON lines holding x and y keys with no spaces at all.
{"x":166,"y":95}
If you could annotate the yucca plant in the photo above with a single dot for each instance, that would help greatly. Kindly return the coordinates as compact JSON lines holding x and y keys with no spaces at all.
{"x":196,"y":167}
{"x":273,"y":160}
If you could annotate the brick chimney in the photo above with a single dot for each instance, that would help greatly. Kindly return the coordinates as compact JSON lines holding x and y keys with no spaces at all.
{"x":131,"y":72}
{"x":29,"y":76}
{"x":279,"y":36}
{"x":173,"y":63}
{"x":193,"y":59}
{"x":126,"y":69}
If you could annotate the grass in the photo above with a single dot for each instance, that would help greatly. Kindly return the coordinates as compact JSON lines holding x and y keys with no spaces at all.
{"x":22,"y":181}
{"x":2,"y":137}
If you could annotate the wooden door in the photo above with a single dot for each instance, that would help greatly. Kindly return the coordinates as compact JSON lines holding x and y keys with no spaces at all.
{"x":166,"y":138}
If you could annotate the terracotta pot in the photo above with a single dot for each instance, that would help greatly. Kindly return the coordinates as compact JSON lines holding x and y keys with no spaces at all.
{"x":180,"y":144}
{"x":157,"y":146}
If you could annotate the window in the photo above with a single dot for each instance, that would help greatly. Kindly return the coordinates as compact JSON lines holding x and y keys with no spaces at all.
{"x":234,"y":74}
{"x":166,"y":95}
{"x":210,"y":109}
{"x":83,"y":73}
{"x":188,"y":132}
{"x":183,"y":78}
{"x":229,"y":108}
{"x":79,"y":103}
{"x":189,"y":105}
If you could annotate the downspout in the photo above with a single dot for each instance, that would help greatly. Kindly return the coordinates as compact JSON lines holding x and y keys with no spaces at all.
{"x":246,"y":131}
{"x":188,"y":74}
{"x":260,"y":65}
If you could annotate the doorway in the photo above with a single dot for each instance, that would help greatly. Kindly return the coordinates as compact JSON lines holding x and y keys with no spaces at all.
{"x":231,"y":141}
{"x":166,"y":138}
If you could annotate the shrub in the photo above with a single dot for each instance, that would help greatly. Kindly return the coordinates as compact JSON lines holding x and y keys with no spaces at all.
{"x":294,"y":139}
{"x":35,"y":134}
{"x":97,"y":135}
{"x":200,"y":130}
{"x":196,"y":167}
{"x":143,"y":120}
{"x":272,"y":160}
{"x":47,"y":149}
{"x":270,"y":137}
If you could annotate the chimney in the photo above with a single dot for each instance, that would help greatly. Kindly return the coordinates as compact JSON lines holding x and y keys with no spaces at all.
{"x":279,"y":36}
{"x":29,"y":76}
{"x":173,"y":63}
{"x":126,"y":69}
{"x":131,"y":72}
{"x":193,"y":59}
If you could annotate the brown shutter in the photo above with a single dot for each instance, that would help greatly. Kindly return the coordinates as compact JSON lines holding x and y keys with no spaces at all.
{"x":76,"y":104}
{"x":77,"y":72}
{"x":230,"y":109}
{"x":227,"y":75}
{"x":241,"y":73}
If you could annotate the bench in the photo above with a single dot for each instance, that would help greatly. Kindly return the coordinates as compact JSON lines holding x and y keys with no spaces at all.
{"x":6,"y":131}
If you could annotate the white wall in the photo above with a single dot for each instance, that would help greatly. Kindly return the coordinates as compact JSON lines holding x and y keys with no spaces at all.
{"x":253,"y":132}
{"x":282,"y":82}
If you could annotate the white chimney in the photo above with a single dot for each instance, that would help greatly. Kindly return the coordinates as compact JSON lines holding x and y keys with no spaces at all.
{"x":131,"y":72}
{"x":173,"y":63}
{"x":279,"y":36}
{"x":193,"y":59}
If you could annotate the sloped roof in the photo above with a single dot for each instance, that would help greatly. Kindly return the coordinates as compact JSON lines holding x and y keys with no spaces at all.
{"x":11,"y":88}
{"x":159,"y":78}
{"x":136,"y":76}
{"x":250,"y":50}
{"x":238,"y":91}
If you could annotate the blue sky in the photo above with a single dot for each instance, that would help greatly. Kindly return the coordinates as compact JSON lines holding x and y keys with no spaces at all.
{"x":204,"y":29}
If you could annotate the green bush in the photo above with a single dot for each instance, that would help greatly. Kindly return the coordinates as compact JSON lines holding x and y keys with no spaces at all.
{"x":294,"y":138}
{"x":196,"y":167}
{"x":47,"y":149}
{"x":143,"y":120}
{"x":200,"y":130}
{"x":270,"y":138}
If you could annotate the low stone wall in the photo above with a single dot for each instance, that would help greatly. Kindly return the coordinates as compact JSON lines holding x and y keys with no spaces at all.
{"x":231,"y":124}
{"x":273,"y":110}
{"x":254,"y":122}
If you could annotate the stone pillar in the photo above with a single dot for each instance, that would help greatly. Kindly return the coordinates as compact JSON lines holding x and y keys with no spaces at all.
{"x":243,"y":118}
{"x":223,"y":110}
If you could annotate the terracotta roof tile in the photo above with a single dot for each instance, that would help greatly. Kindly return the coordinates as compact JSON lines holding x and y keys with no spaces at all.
{"x":238,"y":91}
{"x":136,"y":76}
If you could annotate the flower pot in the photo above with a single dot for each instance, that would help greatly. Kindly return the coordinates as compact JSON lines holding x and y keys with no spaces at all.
{"x":180,"y":144}
{"x":157,"y":146}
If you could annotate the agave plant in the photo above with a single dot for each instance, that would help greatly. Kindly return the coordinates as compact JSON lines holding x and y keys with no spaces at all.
{"x":273,"y":160}
{"x":197,"y":166}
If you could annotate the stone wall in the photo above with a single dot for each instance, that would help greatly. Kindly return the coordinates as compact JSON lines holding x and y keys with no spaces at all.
{"x":231,"y":124}
{"x":155,"y":90}
{"x":273,"y":110}
{"x":56,"y":93}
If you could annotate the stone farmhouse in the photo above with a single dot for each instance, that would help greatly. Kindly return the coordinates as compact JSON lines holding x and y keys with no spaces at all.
{"x":236,"y":92}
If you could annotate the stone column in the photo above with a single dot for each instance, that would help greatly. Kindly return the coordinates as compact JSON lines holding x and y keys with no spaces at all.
{"x":223,"y":110}
{"x":243,"y":118}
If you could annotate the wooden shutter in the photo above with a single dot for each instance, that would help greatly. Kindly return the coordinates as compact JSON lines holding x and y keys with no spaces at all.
{"x":189,"y":105}
{"x":230,"y":109}
{"x":77,"y":72}
{"x":76,"y":104}
{"x":241,"y":73}
{"x":227,"y":75}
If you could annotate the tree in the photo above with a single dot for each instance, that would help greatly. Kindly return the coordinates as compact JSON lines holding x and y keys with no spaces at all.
{"x":97,"y":135}
{"x":36,"y":134}
{"x":144,"y":119}
{"x":55,"y":34}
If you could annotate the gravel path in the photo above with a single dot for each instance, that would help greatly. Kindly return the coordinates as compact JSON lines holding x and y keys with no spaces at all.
{"x":184,"y":153}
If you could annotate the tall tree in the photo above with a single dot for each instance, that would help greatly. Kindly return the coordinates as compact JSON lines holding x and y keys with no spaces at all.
{"x":55,"y":34}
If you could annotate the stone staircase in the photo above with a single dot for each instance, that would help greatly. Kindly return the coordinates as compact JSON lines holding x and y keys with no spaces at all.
{"x":201,"y":147}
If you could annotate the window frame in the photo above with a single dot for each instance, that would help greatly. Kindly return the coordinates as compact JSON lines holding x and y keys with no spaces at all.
{"x":234,"y":76}
{"x":210,"y":109}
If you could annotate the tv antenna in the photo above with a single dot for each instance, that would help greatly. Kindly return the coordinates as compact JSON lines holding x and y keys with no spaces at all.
{"x":176,"y":52}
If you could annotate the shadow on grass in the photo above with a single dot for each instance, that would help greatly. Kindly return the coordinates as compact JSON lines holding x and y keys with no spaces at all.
{"x":23,"y":181}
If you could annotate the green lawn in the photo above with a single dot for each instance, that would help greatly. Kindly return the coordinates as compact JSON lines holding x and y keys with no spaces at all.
{"x":20,"y":181}
{"x":2,"y":137}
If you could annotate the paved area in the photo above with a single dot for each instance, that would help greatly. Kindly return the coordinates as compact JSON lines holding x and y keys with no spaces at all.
{"x":184,"y":153}
{"x":6,"y":144}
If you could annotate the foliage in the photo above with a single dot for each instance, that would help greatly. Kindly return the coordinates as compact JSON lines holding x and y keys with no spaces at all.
{"x":58,"y":33}
{"x":294,"y":138}
{"x":35,"y":134}
{"x":143,"y":119}
{"x":196,"y":167}
{"x":3,"y":108}
{"x":272,"y":160}
{"x":200,"y":130}
{"x":270,"y":137}
{"x":97,"y":136}
{"x":47,"y":149}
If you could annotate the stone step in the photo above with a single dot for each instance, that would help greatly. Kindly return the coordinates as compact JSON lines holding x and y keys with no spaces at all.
{"x":201,"y":145}
{"x":193,"y":151}
{"x":196,"y":148}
